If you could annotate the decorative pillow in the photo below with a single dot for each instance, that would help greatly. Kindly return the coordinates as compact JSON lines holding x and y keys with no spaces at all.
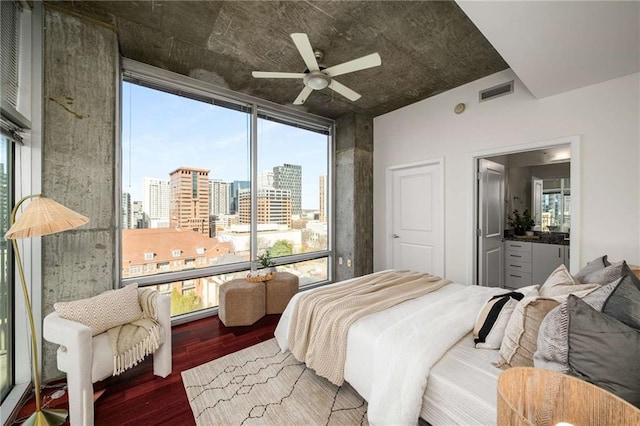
{"x":561,"y":283}
{"x":620,"y":299}
{"x":551,"y":351}
{"x":104,"y":311}
{"x":493,"y":319}
{"x":521,"y":335}
{"x":606,"y":275}
{"x":623,"y":303}
{"x":593,"y":266}
{"x":603,"y":351}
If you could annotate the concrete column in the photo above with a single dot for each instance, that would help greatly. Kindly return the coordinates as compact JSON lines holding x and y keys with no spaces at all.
{"x":354,"y":196}
{"x":79,"y":158}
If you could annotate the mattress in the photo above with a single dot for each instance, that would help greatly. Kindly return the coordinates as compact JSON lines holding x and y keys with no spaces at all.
{"x":462,"y":387}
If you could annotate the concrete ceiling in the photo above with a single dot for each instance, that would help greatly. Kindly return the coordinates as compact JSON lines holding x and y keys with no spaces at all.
{"x":427,"y":47}
{"x":557,"y":46}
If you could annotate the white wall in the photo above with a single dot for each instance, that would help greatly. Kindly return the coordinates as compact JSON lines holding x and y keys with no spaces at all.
{"x":605,"y":116}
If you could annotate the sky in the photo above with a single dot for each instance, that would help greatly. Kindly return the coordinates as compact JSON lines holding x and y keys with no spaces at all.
{"x":162,"y":132}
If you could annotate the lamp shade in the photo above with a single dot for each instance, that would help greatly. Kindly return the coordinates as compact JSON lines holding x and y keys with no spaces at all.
{"x":43,"y":216}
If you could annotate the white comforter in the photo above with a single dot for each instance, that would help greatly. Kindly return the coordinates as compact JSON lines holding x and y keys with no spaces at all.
{"x":410,"y":338}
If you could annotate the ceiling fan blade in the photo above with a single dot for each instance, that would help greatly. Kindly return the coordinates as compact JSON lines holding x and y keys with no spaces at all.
{"x":303,"y":95}
{"x":344,"y":91}
{"x":306,"y":51}
{"x":267,"y":74}
{"x":363,"y":63}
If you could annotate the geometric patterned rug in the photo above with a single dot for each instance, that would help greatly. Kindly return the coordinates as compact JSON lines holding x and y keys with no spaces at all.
{"x":260,"y":385}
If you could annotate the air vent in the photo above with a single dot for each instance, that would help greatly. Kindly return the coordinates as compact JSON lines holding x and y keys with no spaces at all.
{"x":496,"y":91}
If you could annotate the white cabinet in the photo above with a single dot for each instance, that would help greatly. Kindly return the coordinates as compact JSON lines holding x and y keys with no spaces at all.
{"x":546,"y":258}
{"x":528,"y":263}
{"x":517,"y":264}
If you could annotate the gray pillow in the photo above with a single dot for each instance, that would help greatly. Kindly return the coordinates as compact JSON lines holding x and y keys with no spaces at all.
{"x":623,"y":303}
{"x":593,"y":266}
{"x":603,"y":351}
{"x":619,"y":299}
{"x":606,"y":274}
{"x":551,"y":348}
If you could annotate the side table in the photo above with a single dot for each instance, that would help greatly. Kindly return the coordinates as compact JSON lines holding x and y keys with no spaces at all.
{"x":279,"y":291}
{"x":533,"y":396}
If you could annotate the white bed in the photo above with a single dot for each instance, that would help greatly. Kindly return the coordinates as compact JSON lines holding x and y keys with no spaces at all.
{"x":462,"y":384}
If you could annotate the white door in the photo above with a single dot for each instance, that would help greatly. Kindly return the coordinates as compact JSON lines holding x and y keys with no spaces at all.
{"x":415,"y":212}
{"x":490,"y":223}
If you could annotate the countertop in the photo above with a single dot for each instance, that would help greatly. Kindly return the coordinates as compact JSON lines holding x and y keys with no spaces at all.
{"x":557,"y":238}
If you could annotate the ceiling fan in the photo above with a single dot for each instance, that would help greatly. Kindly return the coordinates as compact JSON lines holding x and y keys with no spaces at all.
{"x":316,"y":77}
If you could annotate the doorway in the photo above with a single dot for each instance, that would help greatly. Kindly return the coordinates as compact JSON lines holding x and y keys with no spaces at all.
{"x":415,"y":217}
{"x":527,"y":168}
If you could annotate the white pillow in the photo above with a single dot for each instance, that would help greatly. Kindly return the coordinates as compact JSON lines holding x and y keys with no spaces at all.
{"x":104,"y":311}
{"x":562,"y":283}
{"x":494,"y":316}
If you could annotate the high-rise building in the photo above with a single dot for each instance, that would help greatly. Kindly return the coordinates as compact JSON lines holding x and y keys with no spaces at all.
{"x":220,"y":197}
{"x":236,"y":186}
{"x":289,"y":177}
{"x":126,"y":221}
{"x":189,"y":200}
{"x":273,"y":206}
{"x":155,"y":201}
{"x":139,"y":217}
{"x":323,"y":215}
{"x":265,"y":179}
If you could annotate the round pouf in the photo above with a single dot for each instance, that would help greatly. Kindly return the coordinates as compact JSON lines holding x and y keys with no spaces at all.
{"x":241,"y":302}
{"x":280,"y":290}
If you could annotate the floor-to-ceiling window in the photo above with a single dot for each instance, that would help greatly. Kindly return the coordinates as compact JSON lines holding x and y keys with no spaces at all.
{"x":20,"y":72}
{"x":6,"y":261}
{"x":292,"y":199}
{"x":210,"y":181}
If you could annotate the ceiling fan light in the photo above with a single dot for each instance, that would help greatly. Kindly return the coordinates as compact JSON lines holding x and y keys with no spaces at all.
{"x":317,"y":80}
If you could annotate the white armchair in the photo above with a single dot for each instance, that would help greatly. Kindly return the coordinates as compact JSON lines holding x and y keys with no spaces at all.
{"x":88,"y":359}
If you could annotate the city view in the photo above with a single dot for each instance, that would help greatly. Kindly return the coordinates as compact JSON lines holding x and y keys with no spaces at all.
{"x":186,"y":207}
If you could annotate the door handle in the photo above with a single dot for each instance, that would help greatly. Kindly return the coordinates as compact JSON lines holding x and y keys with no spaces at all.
{"x":395,"y":236}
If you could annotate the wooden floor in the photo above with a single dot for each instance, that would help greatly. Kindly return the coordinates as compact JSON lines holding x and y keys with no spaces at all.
{"x":137,"y":397}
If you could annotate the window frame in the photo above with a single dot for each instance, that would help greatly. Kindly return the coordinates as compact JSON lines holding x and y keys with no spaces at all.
{"x":27,"y":167}
{"x":167,"y":81}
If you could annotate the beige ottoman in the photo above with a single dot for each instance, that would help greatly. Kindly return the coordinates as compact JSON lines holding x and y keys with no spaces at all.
{"x":241,"y":302}
{"x":280,"y":290}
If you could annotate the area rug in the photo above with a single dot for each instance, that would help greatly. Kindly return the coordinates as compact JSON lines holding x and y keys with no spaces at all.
{"x":262,"y":386}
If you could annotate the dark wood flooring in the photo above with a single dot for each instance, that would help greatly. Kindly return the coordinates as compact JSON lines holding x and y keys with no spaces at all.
{"x":137,"y":397}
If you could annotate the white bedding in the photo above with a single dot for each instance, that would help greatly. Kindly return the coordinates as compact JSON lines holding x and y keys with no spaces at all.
{"x":365,"y":334}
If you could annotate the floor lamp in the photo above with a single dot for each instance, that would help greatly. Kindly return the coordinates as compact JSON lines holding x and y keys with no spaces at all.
{"x":42,"y":216}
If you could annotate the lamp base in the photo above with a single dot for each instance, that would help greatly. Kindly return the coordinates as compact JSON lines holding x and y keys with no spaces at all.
{"x":46,"y":417}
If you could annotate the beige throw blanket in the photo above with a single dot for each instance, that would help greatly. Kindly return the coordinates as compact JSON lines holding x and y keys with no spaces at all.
{"x":321,"y":318}
{"x":131,"y":342}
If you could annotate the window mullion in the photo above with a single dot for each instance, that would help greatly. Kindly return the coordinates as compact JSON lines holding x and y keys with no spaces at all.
{"x":253,"y":155}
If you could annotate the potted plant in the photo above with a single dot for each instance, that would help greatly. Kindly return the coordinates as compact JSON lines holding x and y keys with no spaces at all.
{"x":266,"y":268}
{"x":521,"y":223}
{"x":265,"y":261}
